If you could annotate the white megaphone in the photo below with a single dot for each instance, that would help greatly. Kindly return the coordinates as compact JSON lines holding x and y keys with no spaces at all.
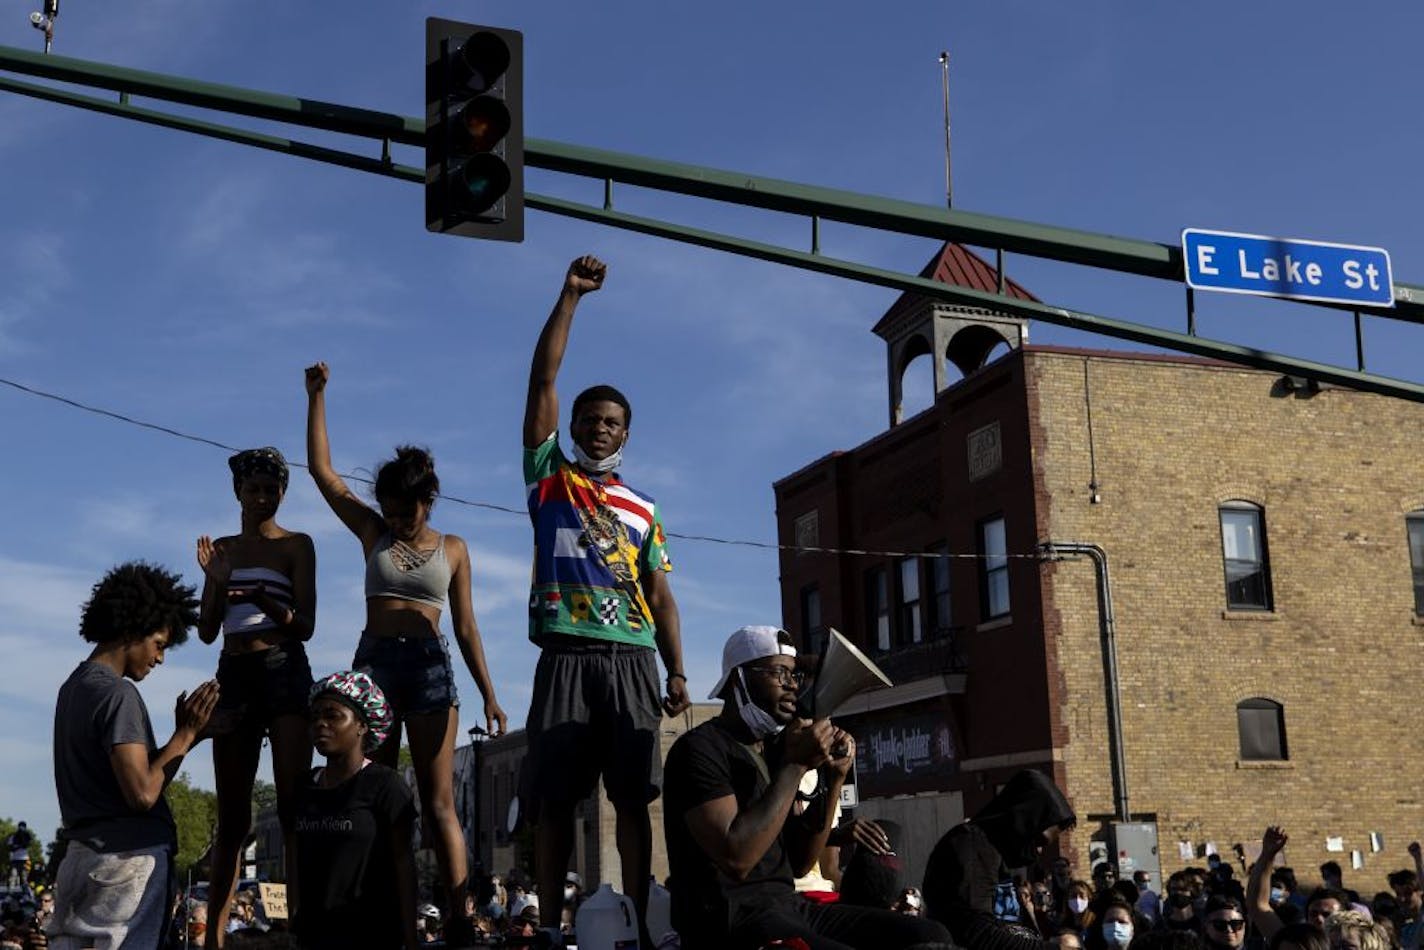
{"x":842,"y":672}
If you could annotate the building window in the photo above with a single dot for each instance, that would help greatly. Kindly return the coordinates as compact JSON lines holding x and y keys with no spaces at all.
{"x":910,"y":627}
{"x":807,"y":530}
{"x":993,"y":569}
{"x":1262,"y":725}
{"x":877,"y":609}
{"x":1415,"y":523}
{"x":813,"y":631}
{"x":1243,"y":547}
{"x":937,"y":571}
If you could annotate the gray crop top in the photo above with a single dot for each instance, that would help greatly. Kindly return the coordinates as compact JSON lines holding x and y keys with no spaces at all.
{"x":395,"y":569}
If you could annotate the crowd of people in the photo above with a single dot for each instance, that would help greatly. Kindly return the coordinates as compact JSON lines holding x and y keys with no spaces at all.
{"x":1209,"y":908}
{"x":759,"y":852}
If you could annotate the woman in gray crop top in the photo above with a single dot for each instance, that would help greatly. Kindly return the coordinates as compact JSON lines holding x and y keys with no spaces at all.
{"x":259,"y":591}
{"x":411,"y":570}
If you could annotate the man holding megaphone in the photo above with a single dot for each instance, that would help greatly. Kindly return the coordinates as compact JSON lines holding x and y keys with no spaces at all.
{"x":735,"y":843}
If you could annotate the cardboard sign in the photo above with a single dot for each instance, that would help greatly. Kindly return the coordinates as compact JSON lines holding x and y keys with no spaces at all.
{"x":274,"y":900}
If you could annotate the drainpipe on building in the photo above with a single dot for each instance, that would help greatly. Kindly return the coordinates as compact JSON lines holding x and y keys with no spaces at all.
{"x":1072,"y":550}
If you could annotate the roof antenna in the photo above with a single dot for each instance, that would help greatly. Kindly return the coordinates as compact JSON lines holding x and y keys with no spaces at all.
{"x":948,"y":179}
{"x":45,"y":21}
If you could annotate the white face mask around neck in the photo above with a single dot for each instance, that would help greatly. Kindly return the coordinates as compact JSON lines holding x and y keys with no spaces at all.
{"x":761,"y":723}
{"x":597,"y":466}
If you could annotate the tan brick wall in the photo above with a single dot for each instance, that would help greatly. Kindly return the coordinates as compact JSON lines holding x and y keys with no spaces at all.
{"x":1342,"y":651}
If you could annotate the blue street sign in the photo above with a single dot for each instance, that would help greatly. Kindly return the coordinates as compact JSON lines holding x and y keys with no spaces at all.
{"x":1281,"y":267}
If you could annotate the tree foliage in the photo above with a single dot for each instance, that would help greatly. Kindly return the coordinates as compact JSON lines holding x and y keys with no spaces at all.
{"x":264,"y":796}
{"x":195,"y":810}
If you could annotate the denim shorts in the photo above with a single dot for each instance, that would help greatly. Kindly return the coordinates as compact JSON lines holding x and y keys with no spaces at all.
{"x":413,"y":672}
{"x":260,"y":686}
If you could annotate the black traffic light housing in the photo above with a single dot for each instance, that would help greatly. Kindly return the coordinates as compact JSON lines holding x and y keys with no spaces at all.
{"x":474,"y":130}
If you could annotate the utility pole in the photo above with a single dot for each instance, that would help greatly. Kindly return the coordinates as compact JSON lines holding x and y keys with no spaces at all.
{"x":44,"y":20}
{"x":948,"y":176}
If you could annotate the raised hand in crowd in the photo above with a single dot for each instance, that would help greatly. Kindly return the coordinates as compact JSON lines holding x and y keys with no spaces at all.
{"x":213,"y":560}
{"x":1258,"y":890}
{"x":585,"y":275}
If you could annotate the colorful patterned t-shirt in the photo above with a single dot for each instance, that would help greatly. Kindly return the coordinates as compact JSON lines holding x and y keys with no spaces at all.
{"x":592,"y":542}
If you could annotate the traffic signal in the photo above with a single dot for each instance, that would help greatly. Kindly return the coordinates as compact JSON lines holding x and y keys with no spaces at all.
{"x":474,"y":130}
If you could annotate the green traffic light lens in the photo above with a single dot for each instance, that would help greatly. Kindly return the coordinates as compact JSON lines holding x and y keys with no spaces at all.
{"x":483,"y":122}
{"x":486,"y":179}
{"x":483,"y":58}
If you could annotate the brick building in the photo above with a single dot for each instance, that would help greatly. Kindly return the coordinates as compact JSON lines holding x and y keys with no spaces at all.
{"x":1264,"y":542}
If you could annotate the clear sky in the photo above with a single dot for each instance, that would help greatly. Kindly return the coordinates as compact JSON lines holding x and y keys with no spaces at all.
{"x":186,"y":281}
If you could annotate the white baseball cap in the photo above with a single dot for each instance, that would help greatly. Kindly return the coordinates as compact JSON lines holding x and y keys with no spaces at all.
{"x":748,"y":644}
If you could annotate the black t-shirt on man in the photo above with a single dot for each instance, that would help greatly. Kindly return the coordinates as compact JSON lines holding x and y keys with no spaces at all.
{"x":345,"y":861}
{"x":707,"y":763}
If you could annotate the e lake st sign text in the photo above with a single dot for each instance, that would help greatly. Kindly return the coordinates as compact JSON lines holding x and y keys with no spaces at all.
{"x":1280,"y":267}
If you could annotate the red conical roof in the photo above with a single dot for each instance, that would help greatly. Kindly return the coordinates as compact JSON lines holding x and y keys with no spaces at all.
{"x":956,"y":264}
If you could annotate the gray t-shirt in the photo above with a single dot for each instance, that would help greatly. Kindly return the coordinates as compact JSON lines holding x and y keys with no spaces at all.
{"x":97,"y":710}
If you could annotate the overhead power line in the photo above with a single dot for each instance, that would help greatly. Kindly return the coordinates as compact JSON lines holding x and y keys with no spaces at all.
{"x":490,"y":506}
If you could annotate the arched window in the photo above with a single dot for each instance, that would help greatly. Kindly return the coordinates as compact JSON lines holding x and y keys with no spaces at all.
{"x":1262,"y":727}
{"x":1243,"y":548}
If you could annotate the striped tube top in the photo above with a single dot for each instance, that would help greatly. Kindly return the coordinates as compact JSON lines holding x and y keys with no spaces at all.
{"x":247,"y":619}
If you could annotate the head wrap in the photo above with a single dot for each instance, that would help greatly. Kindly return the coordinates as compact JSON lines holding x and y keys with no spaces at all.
{"x":361,"y":694}
{"x":263,"y":461}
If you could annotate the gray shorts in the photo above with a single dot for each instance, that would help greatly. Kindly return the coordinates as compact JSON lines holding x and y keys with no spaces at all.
{"x":110,"y":900}
{"x":596,"y":711}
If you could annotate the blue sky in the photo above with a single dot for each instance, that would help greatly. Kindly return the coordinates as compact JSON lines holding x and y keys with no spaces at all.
{"x":187,"y":282}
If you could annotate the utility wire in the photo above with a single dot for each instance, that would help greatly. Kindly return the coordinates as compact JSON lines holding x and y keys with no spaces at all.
{"x":490,"y":506}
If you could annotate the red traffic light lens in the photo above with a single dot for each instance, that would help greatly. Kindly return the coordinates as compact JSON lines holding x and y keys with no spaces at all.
{"x":482,"y":59}
{"x":485,"y":179}
{"x":482,"y":123}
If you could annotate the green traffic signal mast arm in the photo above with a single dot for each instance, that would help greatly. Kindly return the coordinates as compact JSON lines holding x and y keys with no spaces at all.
{"x":1124,"y":255}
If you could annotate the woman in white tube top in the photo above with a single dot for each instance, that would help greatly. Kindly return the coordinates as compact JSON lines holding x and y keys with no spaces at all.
{"x":259,"y":592}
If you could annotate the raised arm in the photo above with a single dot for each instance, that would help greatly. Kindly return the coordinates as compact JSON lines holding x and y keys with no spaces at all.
{"x":212,"y":558}
{"x":353,"y":512}
{"x":1258,"y":887}
{"x":736,"y":840}
{"x":142,"y":776}
{"x":467,"y":632}
{"x":541,"y":412}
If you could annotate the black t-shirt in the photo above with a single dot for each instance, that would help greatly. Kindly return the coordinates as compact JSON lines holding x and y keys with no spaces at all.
{"x":707,"y":763}
{"x":345,"y":861}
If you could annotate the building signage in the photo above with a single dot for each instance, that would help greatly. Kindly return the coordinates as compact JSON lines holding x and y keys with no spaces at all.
{"x":899,"y":754}
{"x":1281,"y":267}
{"x":986,"y":451}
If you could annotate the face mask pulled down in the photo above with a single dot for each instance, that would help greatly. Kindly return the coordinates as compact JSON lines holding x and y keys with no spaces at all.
{"x":597,"y":466}
{"x":761,"y":723}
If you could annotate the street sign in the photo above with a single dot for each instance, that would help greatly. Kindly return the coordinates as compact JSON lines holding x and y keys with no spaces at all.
{"x":1282,"y":267}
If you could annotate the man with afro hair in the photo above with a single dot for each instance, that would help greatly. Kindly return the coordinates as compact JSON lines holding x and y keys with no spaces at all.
{"x":111,"y":889}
